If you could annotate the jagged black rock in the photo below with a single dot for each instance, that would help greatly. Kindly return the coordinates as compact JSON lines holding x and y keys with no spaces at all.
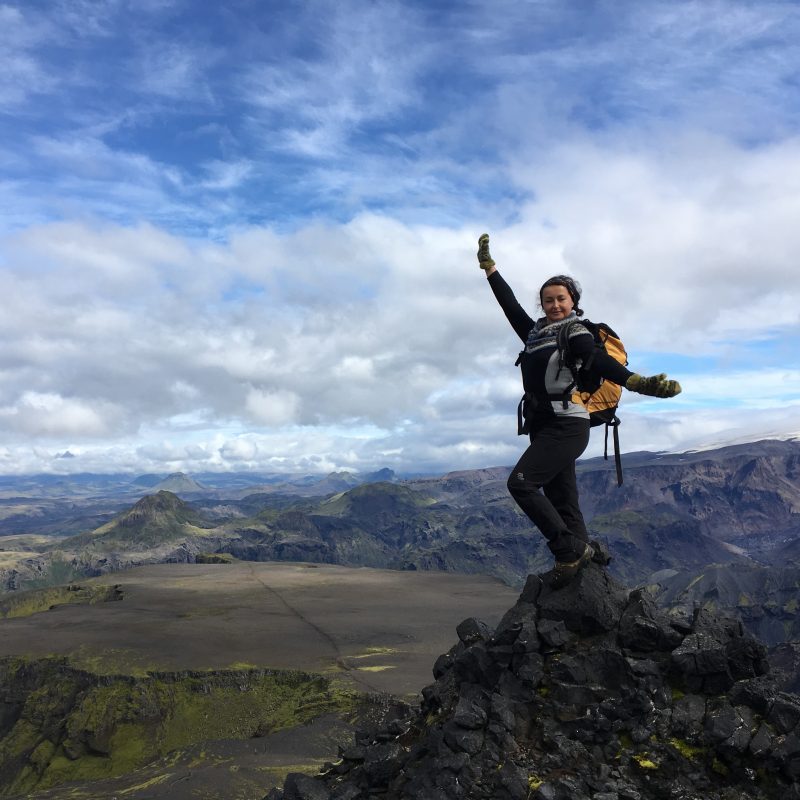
{"x":586,"y":693}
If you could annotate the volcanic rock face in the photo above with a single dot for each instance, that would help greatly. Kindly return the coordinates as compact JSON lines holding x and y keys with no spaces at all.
{"x":587,"y":693}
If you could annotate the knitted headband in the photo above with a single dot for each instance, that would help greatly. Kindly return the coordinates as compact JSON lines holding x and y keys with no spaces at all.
{"x":570,"y":284}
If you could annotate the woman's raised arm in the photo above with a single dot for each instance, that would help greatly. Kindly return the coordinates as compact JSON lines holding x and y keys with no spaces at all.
{"x":515,"y":313}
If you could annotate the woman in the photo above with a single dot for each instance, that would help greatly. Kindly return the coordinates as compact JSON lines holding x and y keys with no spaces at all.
{"x":559,"y":428}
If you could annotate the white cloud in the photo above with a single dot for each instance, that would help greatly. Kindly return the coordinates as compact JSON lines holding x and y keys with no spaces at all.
{"x":22,"y":73}
{"x":680,"y":261}
{"x":355,"y":369}
{"x":272,"y":408}
{"x":226,"y":174}
{"x":761,"y":389}
{"x":50,"y":415}
{"x":174,"y":70}
{"x":240,"y":449}
{"x":364,"y":71}
{"x":98,"y":259}
{"x":673,"y":431}
{"x":336,"y":328}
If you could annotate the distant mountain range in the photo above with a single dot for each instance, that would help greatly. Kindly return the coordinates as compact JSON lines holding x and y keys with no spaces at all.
{"x":117,"y":485}
{"x":736,"y":508}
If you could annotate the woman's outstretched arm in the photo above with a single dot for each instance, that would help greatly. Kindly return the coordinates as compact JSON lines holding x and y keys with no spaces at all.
{"x":606,"y":366}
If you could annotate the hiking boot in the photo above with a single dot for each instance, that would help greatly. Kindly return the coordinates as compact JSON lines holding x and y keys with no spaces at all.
{"x":601,"y":555}
{"x":565,"y":571}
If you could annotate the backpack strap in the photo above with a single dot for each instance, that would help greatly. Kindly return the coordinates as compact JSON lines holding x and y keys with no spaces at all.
{"x":564,"y":354}
{"x":615,"y":423}
{"x":564,"y":396}
{"x":522,"y":425}
{"x":600,"y":332}
{"x":565,"y":359}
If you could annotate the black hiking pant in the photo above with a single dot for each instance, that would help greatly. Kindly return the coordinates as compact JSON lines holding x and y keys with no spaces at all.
{"x":544,"y":486}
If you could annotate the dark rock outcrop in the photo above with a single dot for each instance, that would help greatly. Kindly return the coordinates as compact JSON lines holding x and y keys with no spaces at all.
{"x":764,"y":598}
{"x":587,"y":693}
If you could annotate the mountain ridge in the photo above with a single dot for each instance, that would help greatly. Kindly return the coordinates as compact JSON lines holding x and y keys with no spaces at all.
{"x":674,"y":516}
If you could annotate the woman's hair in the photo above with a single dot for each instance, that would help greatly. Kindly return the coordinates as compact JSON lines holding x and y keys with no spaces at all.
{"x":570,"y":284}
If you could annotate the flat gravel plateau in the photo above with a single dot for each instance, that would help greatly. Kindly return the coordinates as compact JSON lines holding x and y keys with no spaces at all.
{"x":380,"y":629}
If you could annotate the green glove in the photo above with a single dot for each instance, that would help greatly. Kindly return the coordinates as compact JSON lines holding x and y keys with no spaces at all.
{"x":485,"y":260}
{"x":654,"y":386}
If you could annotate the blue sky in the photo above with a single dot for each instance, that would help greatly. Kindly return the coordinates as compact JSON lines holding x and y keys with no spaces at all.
{"x":243,"y":236}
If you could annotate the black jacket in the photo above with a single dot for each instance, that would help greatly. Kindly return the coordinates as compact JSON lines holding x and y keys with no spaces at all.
{"x":542,"y":377}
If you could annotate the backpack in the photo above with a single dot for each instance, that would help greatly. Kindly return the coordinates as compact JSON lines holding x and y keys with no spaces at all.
{"x":599,"y":396}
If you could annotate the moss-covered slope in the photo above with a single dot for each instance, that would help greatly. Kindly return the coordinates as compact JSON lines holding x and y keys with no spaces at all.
{"x":60,"y":724}
{"x":34,"y":601}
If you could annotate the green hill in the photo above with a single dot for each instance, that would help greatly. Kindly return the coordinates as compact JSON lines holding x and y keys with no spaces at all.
{"x":156,"y":519}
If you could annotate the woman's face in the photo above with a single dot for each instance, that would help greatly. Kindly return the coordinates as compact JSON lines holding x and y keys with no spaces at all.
{"x":556,"y":303}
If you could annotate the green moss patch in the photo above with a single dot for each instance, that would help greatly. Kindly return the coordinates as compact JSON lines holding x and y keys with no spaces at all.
{"x":375,"y":668}
{"x":644,"y":761}
{"x":214,"y":558}
{"x":35,"y":601}
{"x":371,"y":652}
{"x":116,"y":661}
{"x":687,"y":750}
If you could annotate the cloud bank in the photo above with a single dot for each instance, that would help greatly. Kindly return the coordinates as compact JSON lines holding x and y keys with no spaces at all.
{"x":249,"y":242}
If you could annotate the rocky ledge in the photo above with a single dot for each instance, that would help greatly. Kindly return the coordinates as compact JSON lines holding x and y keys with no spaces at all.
{"x":586,"y":693}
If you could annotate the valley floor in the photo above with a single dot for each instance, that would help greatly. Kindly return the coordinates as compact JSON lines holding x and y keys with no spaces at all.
{"x":381,"y":629}
{"x":375,"y":632}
